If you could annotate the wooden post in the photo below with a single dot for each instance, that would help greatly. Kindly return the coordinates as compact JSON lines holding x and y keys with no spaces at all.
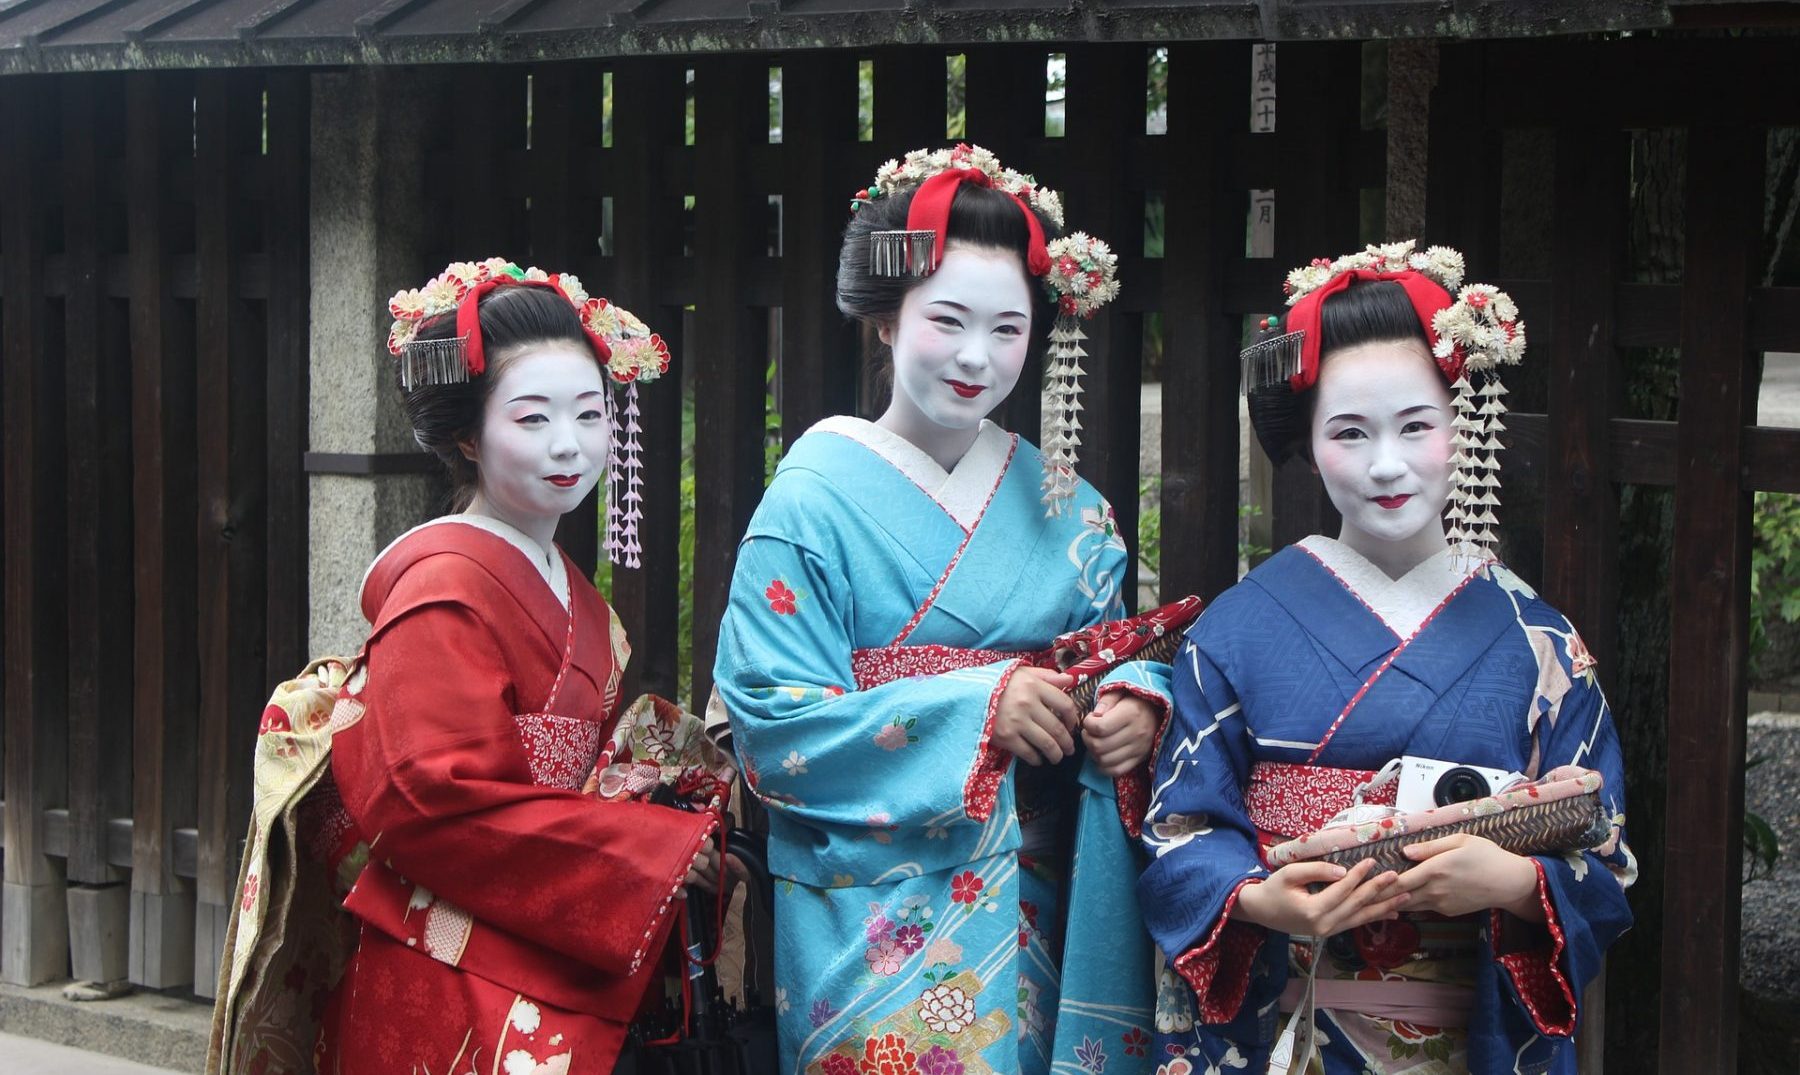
{"x":648,"y":119}
{"x":1462,"y":182}
{"x":288,"y":321}
{"x":1581,"y":502}
{"x":230,"y":375}
{"x":99,"y":506}
{"x":34,"y":938}
{"x":1710,"y":599}
{"x":730,"y":344}
{"x":1316,"y":208}
{"x":158,"y":121}
{"x":1105,"y":115}
{"x":818,"y":344}
{"x":1209,"y":97}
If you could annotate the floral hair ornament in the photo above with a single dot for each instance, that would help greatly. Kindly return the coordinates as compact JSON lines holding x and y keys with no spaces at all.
{"x":628,"y":351}
{"x":1472,"y":331}
{"x":1079,"y":271}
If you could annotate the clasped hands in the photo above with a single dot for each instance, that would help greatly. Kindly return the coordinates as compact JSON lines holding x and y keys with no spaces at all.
{"x":1036,"y":722}
{"x":1454,"y":875}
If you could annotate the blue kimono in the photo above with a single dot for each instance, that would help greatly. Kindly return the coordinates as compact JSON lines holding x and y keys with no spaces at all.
{"x":878,"y":609}
{"x":1457,"y":662}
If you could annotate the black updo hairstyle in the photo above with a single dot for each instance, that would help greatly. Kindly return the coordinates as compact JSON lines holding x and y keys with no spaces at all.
{"x":445,"y":416}
{"x":979,"y":216}
{"x":1368,"y":311}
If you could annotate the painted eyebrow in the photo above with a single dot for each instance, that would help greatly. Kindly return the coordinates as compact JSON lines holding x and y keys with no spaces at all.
{"x":964,"y":309}
{"x":544,"y":399}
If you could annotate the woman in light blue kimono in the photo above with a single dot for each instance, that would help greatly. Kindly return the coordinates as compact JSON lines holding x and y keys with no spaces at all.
{"x":1336,"y":657}
{"x":891,"y":581}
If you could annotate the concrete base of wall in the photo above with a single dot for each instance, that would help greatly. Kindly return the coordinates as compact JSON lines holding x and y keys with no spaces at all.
{"x":149,"y":1028}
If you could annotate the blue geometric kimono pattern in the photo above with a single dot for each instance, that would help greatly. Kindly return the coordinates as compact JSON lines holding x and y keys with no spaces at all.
{"x":911,"y":935}
{"x":1494,"y":677}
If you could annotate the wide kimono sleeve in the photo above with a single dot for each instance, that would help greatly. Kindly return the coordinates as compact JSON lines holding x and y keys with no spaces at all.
{"x":1202,"y":844}
{"x":895,"y":761}
{"x":1541,"y":971}
{"x":436,"y":777}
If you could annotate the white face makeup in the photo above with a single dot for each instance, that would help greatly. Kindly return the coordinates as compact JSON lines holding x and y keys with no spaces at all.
{"x":543,"y":437}
{"x":959,"y":343}
{"x":1381,"y":443}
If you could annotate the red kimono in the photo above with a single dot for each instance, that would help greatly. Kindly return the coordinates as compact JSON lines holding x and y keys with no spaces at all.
{"x":509,"y":922}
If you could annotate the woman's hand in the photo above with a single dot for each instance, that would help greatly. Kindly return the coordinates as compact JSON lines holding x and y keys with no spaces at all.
{"x":1349,"y":899}
{"x":1120,"y":731}
{"x":1035,"y":716}
{"x":703,"y":872}
{"x":1459,"y":874}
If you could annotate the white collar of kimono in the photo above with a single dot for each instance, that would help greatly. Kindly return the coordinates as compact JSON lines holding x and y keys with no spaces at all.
{"x":1405,"y":603}
{"x":962,"y":492}
{"x":554,"y":572}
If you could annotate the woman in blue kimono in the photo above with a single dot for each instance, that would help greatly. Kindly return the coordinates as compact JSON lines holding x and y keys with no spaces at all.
{"x":892,"y":579}
{"x":1335,"y":657}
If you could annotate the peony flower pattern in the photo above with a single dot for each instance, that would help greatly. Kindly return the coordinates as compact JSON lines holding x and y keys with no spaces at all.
{"x":887,"y":1055}
{"x":946,"y":1009}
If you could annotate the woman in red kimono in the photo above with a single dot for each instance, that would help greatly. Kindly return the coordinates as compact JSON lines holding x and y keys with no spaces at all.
{"x":508,"y":921}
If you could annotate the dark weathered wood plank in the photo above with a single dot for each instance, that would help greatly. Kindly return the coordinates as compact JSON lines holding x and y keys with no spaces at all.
{"x":98,"y":493}
{"x":1209,"y":95}
{"x":490,"y":125}
{"x":819,"y":347}
{"x":909,"y":100}
{"x":1462,"y":195}
{"x":287,"y":320}
{"x":230,"y":375}
{"x":1105,"y":113}
{"x":648,"y":106}
{"x":1581,"y":505}
{"x":158,"y":107}
{"x":1316,"y":211}
{"x":1710,"y":596}
{"x":730,"y":344}
{"x":33,"y":932}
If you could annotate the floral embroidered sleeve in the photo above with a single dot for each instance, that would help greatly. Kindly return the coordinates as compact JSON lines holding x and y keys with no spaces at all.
{"x":1202,"y":844}
{"x":847,"y":765}
{"x":1543,"y":969}
{"x":437,"y":779}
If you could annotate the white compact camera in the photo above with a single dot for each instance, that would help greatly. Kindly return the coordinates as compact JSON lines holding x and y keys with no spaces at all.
{"x":1426,"y":782}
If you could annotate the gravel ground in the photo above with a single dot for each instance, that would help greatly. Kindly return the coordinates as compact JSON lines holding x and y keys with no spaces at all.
{"x":1771,"y":946}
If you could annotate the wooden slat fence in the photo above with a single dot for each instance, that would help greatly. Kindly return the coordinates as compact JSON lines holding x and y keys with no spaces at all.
{"x":154,"y":278}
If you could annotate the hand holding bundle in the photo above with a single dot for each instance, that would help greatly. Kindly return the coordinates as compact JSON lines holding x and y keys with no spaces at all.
{"x":1561,"y":813}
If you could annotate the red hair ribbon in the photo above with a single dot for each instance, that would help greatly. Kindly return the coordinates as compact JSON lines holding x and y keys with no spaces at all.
{"x":1427,"y":297}
{"x":468,"y":319}
{"x":930,"y":211}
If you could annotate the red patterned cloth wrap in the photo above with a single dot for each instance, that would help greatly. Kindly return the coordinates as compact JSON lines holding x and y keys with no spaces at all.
{"x":884,"y":664}
{"x":1091,"y":652}
{"x":1560,"y":786}
{"x":659,"y":744}
{"x":1285,"y":801}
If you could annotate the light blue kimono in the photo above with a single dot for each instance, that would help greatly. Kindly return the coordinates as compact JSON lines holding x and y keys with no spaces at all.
{"x":908,"y":923}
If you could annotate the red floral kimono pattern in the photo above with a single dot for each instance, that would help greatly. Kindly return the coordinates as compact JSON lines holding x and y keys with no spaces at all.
{"x":509,"y":923}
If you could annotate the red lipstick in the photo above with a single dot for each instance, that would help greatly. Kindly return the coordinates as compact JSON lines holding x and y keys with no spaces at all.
{"x":563,"y":481}
{"x":1392,"y":502}
{"x":966,"y":391}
